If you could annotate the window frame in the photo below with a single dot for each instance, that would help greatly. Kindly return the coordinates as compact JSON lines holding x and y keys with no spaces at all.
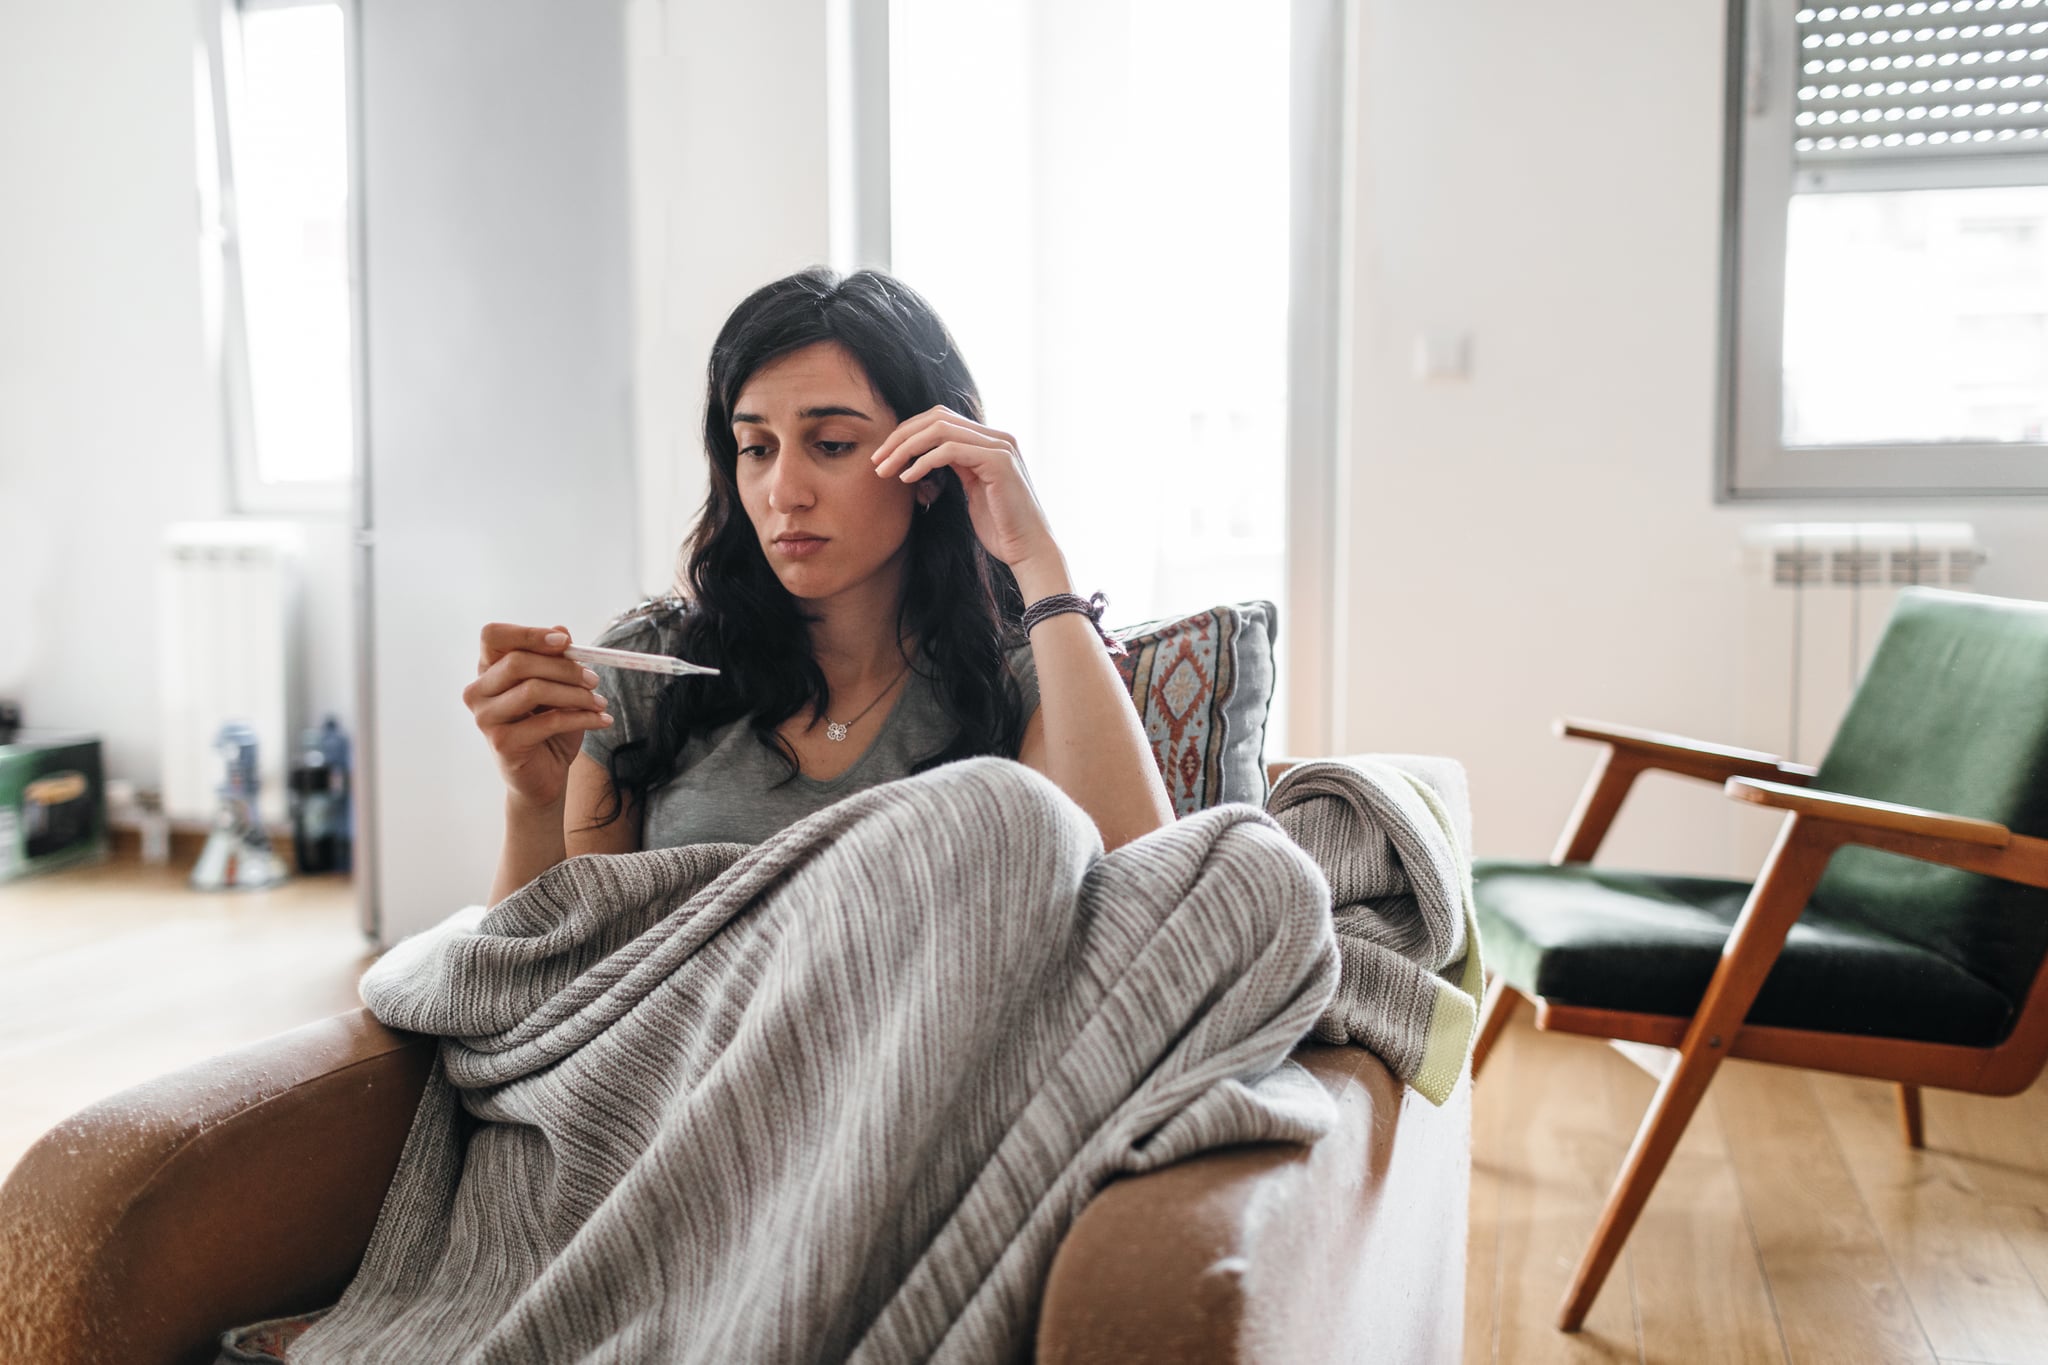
{"x":1753,"y":463}
{"x":249,"y":493}
{"x":1309,"y":685}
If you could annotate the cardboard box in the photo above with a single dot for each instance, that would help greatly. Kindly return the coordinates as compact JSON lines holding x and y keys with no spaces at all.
{"x":53,"y":803}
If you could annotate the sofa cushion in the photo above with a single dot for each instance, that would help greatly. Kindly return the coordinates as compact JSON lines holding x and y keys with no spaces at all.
{"x":1637,"y":941}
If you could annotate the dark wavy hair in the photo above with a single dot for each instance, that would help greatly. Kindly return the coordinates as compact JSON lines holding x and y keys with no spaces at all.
{"x":960,"y":603}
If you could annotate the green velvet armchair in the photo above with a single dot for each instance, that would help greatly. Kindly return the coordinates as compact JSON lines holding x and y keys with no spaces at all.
{"x":1896,"y":931}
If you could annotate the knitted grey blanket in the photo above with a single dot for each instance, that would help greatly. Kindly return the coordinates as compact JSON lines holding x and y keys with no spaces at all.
{"x":1387,"y":832}
{"x":838,"y":1096}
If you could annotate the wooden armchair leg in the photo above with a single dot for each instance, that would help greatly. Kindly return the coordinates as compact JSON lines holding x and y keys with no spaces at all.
{"x":1664,"y":1123}
{"x":1909,"y":1116}
{"x":1789,"y":876}
{"x":1495,"y":1013}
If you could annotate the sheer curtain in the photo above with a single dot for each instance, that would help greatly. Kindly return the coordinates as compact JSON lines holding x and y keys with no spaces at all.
{"x":1095,"y":197}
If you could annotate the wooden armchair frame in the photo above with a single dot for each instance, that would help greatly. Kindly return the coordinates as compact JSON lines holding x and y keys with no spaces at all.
{"x":1816,"y":825}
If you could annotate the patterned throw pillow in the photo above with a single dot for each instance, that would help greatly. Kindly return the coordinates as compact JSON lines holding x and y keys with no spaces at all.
{"x":1204,"y":686}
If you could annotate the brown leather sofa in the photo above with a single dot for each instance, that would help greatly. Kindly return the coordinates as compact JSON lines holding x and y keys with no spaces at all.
{"x":246,"y":1187}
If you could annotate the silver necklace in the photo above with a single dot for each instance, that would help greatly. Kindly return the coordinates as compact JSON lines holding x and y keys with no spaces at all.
{"x":836,"y":730}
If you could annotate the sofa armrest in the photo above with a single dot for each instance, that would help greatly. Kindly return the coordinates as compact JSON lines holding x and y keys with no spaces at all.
{"x":240,"y":1188}
{"x":247,"y":1187}
{"x":1352,"y":1248}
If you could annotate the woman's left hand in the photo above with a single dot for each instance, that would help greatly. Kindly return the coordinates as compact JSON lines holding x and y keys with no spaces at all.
{"x":1004,"y":510}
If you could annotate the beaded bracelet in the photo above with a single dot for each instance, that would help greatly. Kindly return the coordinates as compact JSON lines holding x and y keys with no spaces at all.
{"x":1060,"y":603}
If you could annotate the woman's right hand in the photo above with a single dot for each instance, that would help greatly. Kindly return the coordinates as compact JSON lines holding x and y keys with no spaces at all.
{"x":533,"y":705}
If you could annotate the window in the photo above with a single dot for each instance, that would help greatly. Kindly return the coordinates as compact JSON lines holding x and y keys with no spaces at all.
{"x":277,"y":196}
{"x":1889,"y":293}
{"x":1104,"y":216}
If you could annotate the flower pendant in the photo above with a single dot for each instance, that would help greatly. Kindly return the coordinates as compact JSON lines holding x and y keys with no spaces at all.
{"x":834,"y":731}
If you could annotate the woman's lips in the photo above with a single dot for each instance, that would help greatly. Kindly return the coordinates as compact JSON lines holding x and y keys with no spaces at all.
{"x":799,"y":547}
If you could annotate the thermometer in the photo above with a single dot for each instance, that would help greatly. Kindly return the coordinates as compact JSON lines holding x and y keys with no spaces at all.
{"x":599,"y":657}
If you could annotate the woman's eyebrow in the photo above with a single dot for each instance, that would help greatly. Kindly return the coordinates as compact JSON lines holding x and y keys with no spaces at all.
{"x":829,"y":410}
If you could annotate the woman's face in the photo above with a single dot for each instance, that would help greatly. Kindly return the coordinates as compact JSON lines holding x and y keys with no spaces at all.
{"x":805,"y":425}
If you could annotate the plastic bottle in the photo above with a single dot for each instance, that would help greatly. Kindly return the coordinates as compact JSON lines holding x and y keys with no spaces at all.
{"x":335,"y":745}
{"x":156,"y":828}
{"x":322,"y":820}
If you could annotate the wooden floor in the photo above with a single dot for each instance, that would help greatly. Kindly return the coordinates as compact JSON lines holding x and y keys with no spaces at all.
{"x":1793,"y":1224}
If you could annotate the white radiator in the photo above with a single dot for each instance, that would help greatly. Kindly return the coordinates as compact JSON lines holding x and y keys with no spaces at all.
{"x":229,"y":644}
{"x":1818,"y":596}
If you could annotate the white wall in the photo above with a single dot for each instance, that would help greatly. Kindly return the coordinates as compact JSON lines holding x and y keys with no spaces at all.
{"x":1542,"y":539}
{"x":730,"y":189}
{"x":509,"y":308}
{"x":502,"y":483}
{"x":109,"y":420}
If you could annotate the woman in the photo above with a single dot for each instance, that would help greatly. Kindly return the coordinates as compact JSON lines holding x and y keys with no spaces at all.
{"x":860,"y":576}
{"x":844,"y":1105}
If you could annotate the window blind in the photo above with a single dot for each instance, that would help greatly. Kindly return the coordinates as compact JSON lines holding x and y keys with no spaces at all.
{"x":1958,"y":82}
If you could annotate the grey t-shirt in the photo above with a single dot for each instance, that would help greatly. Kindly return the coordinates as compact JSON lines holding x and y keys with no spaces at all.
{"x":731,"y":788}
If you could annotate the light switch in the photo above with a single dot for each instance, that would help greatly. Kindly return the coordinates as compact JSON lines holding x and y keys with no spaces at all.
{"x":1443,"y":356}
